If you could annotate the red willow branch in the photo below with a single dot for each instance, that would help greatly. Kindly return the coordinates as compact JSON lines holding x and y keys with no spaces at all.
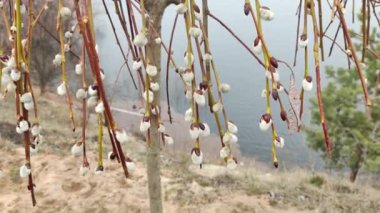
{"x":132,"y":22}
{"x":129,"y":40}
{"x":167,"y":68}
{"x":237,"y":38}
{"x":118,"y":42}
{"x":352,"y":48}
{"x":94,"y":63}
{"x":25,"y":89}
{"x":318,"y":78}
{"x":22,"y":88}
{"x":27,"y":147}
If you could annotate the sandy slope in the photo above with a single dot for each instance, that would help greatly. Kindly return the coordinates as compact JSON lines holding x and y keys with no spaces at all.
{"x":60,"y":188}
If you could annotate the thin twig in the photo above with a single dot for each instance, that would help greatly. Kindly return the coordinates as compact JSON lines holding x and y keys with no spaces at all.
{"x":118,"y":42}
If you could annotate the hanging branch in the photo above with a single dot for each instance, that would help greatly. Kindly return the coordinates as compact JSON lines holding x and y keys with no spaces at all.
{"x":54,"y":37}
{"x":334,"y":40}
{"x":318,"y":78}
{"x":364,"y":27}
{"x":84,"y":106}
{"x":63,"y":65}
{"x":298,"y":32}
{"x":237,"y":38}
{"x":306,"y":62}
{"x":321,"y":30}
{"x":88,"y":40}
{"x":204,"y":26}
{"x":118,"y":42}
{"x":374,"y":13}
{"x":167,"y":68}
{"x":22,"y":88}
{"x":129,"y":40}
{"x":352,"y":49}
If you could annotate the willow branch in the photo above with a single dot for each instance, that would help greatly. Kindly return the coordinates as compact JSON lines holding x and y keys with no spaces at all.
{"x":118,"y":42}
{"x":237,"y":38}
{"x":352,"y":48}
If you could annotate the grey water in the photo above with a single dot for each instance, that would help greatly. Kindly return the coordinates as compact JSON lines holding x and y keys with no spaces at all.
{"x":238,"y":68}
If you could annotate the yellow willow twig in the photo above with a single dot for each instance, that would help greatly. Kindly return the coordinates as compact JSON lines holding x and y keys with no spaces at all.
{"x":90,"y":16}
{"x":306,"y":68}
{"x":147,"y":78}
{"x":146,"y":62}
{"x":204,"y":27}
{"x":213,"y":66}
{"x":266,"y":53}
{"x":100,"y":141}
{"x":6,"y":23}
{"x":321,"y":30}
{"x":189,"y":52}
{"x":267,"y":57}
{"x":32,"y":23}
{"x":190,"y":21}
{"x":63,"y":64}
{"x":43,"y":9}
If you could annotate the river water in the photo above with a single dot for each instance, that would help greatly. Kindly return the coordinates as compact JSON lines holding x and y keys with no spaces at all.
{"x":244,"y":103}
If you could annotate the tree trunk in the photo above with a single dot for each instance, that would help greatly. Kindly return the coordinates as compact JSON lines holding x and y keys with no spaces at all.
{"x":354,"y":174}
{"x":355,"y":167}
{"x":155,"y":10}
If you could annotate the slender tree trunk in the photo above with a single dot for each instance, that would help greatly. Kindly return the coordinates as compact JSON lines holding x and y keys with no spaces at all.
{"x":156,"y":11}
{"x":358,"y":162}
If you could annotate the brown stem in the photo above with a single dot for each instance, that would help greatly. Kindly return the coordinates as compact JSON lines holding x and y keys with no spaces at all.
{"x":364,"y":19}
{"x":129,"y":40}
{"x":374,"y":13}
{"x":352,"y":48}
{"x":321,"y":30}
{"x":334,"y":40}
{"x":27,"y":146}
{"x":54,"y":37}
{"x":237,"y":38}
{"x":298,"y":33}
{"x":318,"y":79}
{"x":118,"y":42}
{"x":94,"y":62}
{"x":167,"y":68}
{"x":84,"y":105}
